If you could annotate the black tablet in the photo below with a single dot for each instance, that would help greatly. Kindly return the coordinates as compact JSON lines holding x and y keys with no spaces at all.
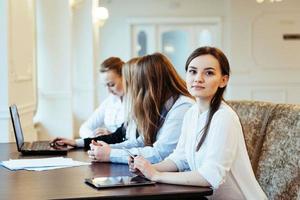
{"x":117,"y":181}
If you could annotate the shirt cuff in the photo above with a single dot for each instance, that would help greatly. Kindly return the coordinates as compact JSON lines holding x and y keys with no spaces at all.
{"x":181,"y":165}
{"x":118,"y":156}
{"x":212,"y":174}
{"x":79,"y":142}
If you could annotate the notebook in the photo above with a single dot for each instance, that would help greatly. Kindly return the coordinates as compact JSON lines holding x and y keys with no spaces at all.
{"x":117,"y":181}
{"x":31,"y":148}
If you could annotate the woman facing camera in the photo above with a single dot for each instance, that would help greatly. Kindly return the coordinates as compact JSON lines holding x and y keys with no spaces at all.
{"x":211,"y":151}
{"x":157,"y":100}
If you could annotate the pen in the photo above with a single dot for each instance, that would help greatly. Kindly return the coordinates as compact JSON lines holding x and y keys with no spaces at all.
{"x":129,"y":153}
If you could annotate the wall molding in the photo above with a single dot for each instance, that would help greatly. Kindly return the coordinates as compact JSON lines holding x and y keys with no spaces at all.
{"x":22,"y":109}
{"x":26,"y":108}
{"x":4,"y":114}
{"x":270,"y":94}
{"x":54,"y":94}
{"x":172,"y":20}
{"x":21,"y":77}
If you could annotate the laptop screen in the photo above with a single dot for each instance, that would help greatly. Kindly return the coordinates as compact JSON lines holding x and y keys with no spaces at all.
{"x":16,"y":125}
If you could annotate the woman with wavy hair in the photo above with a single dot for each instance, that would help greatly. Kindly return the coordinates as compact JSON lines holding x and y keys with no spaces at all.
{"x":156,"y":99}
{"x":211,"y":151}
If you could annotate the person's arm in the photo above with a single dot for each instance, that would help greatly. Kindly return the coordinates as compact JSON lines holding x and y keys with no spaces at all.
{"x":95,"y":121}
{"x":116,"y":137}
{"x":193,"y":178}
{"x":165,"y":172}
{"x":166,"y":142}
{"x":222,"y":143}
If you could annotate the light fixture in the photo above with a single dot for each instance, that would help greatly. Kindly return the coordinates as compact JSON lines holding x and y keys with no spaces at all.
{"x":100,"y":14}
{"x":272,"y":1}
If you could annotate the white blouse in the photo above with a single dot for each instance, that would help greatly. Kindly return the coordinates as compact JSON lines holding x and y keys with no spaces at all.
{"x":109,"y":115}
{"x":222,"y":159}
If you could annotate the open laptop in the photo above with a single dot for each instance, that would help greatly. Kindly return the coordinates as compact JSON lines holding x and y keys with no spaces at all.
{"x":34,"y":148}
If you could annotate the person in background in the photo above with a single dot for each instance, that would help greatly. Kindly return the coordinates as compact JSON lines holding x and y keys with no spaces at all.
{"x":157,"y":100}
{"x":110,"y":114}
{"x":211,"y":151}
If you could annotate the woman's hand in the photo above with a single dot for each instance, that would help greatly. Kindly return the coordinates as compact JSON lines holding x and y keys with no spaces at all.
{"x":143,"y":166}
{"x":131,"y":167}
{"x":59,"y":141}
{"x":100,"y":151}
{"x":101,"y":131}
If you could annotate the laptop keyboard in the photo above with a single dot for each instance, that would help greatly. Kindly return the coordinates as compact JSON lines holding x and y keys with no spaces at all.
{"x":40,"y":146}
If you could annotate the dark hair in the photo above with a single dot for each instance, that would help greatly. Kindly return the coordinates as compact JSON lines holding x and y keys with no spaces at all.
{"x":218,"y":97}
{"x":150,"y":81}
{"x":112,"y":63}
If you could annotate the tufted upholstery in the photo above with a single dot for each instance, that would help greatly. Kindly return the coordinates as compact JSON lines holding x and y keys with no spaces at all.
{"x":272,"y":135}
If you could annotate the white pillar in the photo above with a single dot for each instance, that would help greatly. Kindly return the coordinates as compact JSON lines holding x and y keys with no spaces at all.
{"x":54,"y":36}
{"x":4,"y":114}
{"x":84,"y":71}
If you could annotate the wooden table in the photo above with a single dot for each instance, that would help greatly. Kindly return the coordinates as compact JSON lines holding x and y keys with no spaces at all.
{"x":69,"y":183}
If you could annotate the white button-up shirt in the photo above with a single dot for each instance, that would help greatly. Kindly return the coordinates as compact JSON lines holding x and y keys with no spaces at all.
{"x":109,"y":115}
{"x":222,"y":159}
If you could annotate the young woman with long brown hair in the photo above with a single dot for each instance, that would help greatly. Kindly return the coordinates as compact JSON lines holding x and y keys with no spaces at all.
{"x":157,"y":98}
{"x":211,"y":151}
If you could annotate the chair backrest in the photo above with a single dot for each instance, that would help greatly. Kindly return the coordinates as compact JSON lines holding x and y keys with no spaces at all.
{"x":272,"y":136}
{"x":254,"y":116}
{"x":279,"y":164}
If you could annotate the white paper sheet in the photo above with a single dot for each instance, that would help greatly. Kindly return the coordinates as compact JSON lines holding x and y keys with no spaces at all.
{"x":41,"y":163}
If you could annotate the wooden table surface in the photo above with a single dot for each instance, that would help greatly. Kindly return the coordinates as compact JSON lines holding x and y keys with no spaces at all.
{"x":69,"y":183}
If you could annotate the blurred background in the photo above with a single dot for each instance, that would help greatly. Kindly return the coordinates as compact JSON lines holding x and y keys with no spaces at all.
{"x":50,"y":51}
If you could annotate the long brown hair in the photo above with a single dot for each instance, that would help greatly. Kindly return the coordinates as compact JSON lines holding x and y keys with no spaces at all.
{"x":150,"y":81}
{"x":218,"y":97}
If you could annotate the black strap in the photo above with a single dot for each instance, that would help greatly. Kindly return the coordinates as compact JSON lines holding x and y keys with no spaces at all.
{"x":167,"y":107}
{"x":116,"y":137}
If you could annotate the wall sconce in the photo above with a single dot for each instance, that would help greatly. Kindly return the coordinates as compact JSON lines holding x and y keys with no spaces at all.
{"x":272,"y":1}
{"x":100,"y":15}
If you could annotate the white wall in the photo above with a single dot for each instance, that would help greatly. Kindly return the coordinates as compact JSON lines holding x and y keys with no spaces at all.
{"x":115,"y":34}
{"x":253,"y":76}
{"x":265,"y":67}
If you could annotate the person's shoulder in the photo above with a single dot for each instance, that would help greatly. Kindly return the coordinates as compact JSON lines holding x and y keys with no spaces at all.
{"x":226,"y":112}
{"x":192,"y":110}
{"x":111,"y":99}
{"x":184,"y":100}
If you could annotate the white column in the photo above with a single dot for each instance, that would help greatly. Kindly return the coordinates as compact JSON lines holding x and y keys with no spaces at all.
{"x":4,"y":114}
{"x":54,"y":36}
{"x":84,"y":71}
